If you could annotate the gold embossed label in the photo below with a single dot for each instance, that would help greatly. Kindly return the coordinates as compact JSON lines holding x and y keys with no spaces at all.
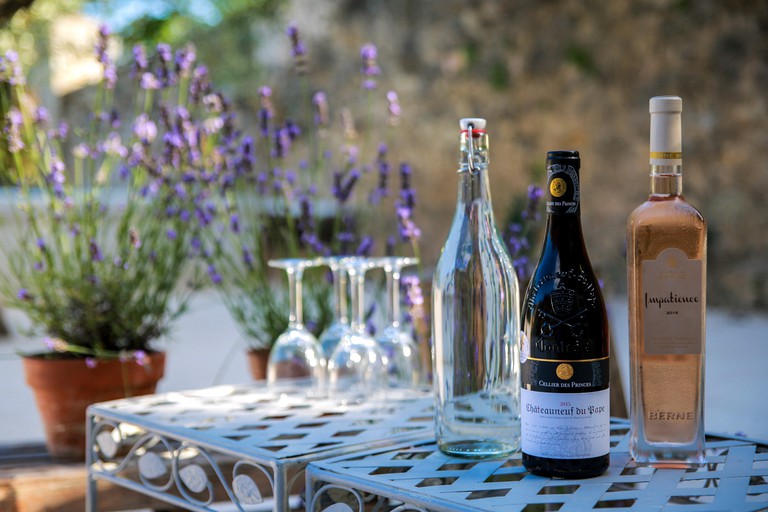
{"x":673,"y":304}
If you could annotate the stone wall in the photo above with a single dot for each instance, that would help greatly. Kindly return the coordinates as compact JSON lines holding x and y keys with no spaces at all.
{"x":575,"y":75}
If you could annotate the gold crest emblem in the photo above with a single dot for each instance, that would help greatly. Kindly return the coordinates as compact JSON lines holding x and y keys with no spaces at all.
{"x":557,"y":187}
{"x":564,"y":371}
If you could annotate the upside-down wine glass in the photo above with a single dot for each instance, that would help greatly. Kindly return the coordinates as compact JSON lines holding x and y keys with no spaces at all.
{"x":296,"y":352}
{"x":403,"y":366}
{"x":357,"y":368}
{"x":332,"y":334}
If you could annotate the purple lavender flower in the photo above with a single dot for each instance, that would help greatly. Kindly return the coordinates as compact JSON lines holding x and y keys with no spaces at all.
{"x":199,"y":85}
{"x":96,"y":254}
{"x":185,"y":58}
{"x":163,"y":71}
{"x":320,"y":101}
{"x":40,"y":117}
{"x":171,"y":234}
{"x":298,"y":51}
{"x":312,"y":241}
{"x":282,"y":143}
{"x":112,"y":145}
{"x":516,"y":242}
{"x":114,"y":119}
{"x":140,"y":62}
{"x":110,"y":76}
{"x":365,"y":247}
{"x":370,"y":68}
{"x":266,"y":111}
{"x":353,"y":152}
{"x":149,"y":82}
{"x":292,"y":129}
{"x":11,"y":69}
{"x":15,"y":121}
{"x":409,"y":231}
{"x":342,"y":190}
{"x":389,"y":247}
{"x":91,"y":362}
{"x":63,"y":130}
{"x":23,"y":295}
{"x":383,"y":168}
{"x":234,"y":223}
{"x":134,"y":239}
{"x":247,"y":257}
{"x":41,"y":245}
{"x":407,"y":193}
{"x":393,"y":108}
{"x":213,"y":274}
{"x":522,"y":267}
{"x":39,"y":266}
{"x":109,"y":69}
{"x":345,"y":237}
{"x":414,"y":298}
{"x":101,"y":44}
{"x":213,"y":103}
{"x":164,"y":52}
{"x":55,"y":344}
{"x":535,"y":193}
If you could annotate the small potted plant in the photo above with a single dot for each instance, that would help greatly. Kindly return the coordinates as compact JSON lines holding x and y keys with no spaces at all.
{"x":105,"y":227}
{"x":312,"y":181}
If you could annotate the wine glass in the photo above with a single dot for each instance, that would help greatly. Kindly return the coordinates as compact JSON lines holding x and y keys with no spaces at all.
{"x":403,"y":368}
{"x":357,"y":367}
{"x":330,"y":337}
{"x":296,"y":352}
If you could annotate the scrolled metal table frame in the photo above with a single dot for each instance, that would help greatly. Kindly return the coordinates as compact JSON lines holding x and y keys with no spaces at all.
{"x":237,"y":444}
{"x":419,"y":478}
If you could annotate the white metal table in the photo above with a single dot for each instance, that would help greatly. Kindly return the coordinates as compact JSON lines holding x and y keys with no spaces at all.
{"x":421,"y":478}
{"x":237,"y":444}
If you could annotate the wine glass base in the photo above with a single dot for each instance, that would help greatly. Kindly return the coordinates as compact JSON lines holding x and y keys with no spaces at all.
{"x":478,"y":449}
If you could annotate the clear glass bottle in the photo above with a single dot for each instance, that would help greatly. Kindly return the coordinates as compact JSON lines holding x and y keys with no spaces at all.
{"x":475,"y":311}
{"x":666,"y":271}
{"x":565,"y":343}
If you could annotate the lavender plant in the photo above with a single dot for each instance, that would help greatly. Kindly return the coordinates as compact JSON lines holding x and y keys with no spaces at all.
{"x":307,"y":183}
{"x":109,"y":212}
{"x":519,"y":232}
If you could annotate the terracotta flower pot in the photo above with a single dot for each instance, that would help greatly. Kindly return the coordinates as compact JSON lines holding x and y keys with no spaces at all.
{"x":257,"y":362}
{"x":64,"y":388}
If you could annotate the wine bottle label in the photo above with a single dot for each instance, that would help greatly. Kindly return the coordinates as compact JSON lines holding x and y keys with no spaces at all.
{"x":673,"y":303}
{"x":563,"y":184}
{"x":565,"y":425}
{"x":565,"y":375}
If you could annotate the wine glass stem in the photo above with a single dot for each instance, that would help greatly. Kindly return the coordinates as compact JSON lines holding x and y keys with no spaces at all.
{"x":357,"y":291}
{"x":295,"y":317}
{"x":340,"y":294}
{"x":393,"y":296}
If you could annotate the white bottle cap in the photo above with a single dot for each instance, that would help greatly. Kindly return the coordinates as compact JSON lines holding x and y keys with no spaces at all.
{"x":666,"y":104}
{"x":477,"y":122}
{"x":666,"y":132}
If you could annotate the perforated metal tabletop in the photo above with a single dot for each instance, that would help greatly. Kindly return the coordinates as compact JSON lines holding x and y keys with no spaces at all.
{"x":237,"y":445}
{"x":421,"y":478}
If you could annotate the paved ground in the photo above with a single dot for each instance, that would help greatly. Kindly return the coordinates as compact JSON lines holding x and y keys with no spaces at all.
{"x":206,"y":350}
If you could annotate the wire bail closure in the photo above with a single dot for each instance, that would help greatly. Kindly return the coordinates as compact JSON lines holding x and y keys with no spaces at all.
{"x":470,"y":147}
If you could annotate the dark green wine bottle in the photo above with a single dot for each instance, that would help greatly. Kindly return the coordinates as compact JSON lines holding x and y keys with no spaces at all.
{"x":565,"y":416}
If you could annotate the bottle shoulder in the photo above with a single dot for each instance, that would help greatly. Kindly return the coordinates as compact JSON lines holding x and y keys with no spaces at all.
{"x":483,"y":256}
{"x":665,"y":210}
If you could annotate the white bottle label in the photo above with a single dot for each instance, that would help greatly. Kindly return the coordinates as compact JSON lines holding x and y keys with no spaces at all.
{"x":673,"y":304}
{"x":565,"y":425}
